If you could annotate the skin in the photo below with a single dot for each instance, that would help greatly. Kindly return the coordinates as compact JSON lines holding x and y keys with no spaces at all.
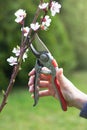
{"x":73,"y":96}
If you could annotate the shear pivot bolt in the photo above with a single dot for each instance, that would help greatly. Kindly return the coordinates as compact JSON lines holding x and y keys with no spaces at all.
{"x":44,"y":57}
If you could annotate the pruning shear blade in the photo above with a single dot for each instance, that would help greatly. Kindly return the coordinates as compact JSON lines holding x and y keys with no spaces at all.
{"x":40,"y":46}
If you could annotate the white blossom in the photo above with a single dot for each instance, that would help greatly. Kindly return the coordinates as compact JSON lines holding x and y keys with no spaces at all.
{"x":55,"y":8}
{"x":12,"y":60}
{"x":45,"y":22}
{"x":43,"y":6}
{"x":35,"y":26}
{"x":20,"y":15}
{"x":25,"y":30}
{"x":25,"y":55}
{"x":16,"y":50}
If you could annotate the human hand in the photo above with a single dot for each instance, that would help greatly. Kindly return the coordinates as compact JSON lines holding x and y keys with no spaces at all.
{"x":45,"y":82}
{"x":71,"y":94}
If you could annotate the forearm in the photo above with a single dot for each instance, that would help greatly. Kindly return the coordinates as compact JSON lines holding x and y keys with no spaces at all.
{"x":71,"y":93}
{"x":74,"y":96}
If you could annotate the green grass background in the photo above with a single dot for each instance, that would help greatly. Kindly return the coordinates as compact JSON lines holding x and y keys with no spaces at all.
{"x":19,"y":113}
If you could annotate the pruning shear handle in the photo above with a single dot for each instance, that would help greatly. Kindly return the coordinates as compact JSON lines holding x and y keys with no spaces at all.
{"x":57,"y":87}
{"x":61,"y":98}
{"x":37,"y":74}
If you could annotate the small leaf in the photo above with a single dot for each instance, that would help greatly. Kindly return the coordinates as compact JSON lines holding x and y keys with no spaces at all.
{"x":3,"y":92}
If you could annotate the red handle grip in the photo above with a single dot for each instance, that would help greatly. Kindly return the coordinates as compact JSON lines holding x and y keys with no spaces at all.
{"x":61,"y":98}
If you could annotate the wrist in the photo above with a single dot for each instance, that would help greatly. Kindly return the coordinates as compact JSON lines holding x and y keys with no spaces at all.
{"x":80,"y":100}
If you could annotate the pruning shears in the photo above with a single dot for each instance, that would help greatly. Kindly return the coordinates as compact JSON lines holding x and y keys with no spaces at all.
{"x":45,"y":59}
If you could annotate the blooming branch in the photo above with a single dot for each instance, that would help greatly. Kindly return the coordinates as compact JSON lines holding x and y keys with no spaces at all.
{"x":20,"y":52}
{"x":17,"y":66}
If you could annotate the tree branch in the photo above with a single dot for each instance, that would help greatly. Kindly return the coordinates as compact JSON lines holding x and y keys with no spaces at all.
{"x":17,"y":67}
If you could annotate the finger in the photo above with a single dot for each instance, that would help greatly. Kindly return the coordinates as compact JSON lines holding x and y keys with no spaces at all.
{"x":32,"y":72}
{"x":59,"y":72}
{"x":31,"y":88}
{"x":45,"y":77}
{"x":42,"y":93}
{"x":44,"y":84}
{"x":31,"y":80}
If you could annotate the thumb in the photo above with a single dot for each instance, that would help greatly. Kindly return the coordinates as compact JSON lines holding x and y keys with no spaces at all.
{"x":61,"y":78}
{"x":59,"y":73}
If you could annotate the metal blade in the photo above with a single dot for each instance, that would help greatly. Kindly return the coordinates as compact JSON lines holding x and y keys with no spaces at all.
{"x":40,"y":46}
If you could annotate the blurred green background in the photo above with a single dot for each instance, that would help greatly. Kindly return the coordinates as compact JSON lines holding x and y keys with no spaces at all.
{"x":67,"y":40}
